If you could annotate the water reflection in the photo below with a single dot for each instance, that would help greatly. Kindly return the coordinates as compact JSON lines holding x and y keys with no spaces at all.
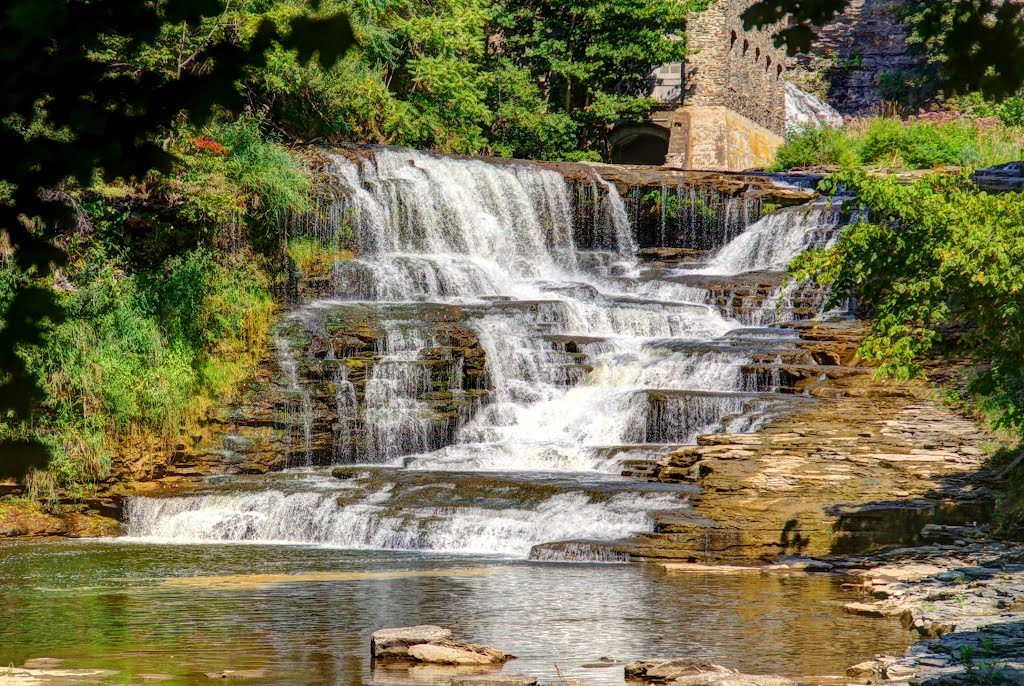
{"x":141,"y":608}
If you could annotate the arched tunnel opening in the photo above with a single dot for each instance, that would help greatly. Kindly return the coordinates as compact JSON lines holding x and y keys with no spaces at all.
{"x":645,"y":145}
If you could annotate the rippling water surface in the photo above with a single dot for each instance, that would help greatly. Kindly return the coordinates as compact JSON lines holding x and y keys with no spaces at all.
{"x":306,"y":614}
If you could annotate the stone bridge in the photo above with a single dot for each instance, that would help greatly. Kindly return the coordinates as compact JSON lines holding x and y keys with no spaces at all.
{"x":725,"y":108}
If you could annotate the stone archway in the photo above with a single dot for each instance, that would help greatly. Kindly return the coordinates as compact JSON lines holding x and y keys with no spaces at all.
{"x":639,"y":143}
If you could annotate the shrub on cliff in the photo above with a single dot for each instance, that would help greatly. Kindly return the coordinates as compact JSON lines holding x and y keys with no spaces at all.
{"x":139,"y":355}
{"x":939,"y":266}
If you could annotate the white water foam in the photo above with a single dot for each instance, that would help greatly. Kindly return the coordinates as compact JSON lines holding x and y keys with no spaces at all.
{"x":313,"y":518}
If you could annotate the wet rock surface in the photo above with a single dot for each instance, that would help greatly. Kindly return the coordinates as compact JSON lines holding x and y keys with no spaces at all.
{"x":864,"y":467}
{"x":431,"y":644}
{"x":696,"y":672}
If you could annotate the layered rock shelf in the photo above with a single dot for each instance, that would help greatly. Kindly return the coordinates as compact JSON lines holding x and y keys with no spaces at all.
{"x":862,"y":465}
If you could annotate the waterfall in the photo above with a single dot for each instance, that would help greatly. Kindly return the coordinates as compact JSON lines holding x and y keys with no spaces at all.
{"x":773,"y":242}
{"x":473,"y":335}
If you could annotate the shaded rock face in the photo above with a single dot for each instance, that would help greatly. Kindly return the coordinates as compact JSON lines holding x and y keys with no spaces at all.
{"x":352,"y":373}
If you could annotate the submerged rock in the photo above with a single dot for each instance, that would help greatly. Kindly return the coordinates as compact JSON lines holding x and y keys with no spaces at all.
{"x":689,"y":671}
{"x":494,"y":680}
{"x":237,"y":674}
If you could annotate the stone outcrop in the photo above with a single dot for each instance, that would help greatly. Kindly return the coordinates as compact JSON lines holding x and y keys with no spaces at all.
{"x":861,"y":464}
{"x":959,"y":588}
{"x":433,"y":645}
{"x":1001,"y":178}
{"x":854,"y":54}
{"x":29,"y":520}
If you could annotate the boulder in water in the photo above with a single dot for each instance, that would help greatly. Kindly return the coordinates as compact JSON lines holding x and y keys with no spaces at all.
{"x":433,"y":645}
{"x":455,"y":653}
{"x":396,"y":642}
{"x":667,"y":669}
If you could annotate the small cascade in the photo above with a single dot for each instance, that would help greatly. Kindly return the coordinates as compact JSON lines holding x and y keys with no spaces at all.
{"x":697,"y":218}
{"x":480,"y":518}
{"x":299,"y":408}
{"x":495,"y":356}
{"x":773,"y":242}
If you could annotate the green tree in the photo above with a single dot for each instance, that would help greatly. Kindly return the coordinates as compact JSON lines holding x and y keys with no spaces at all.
{"x":590,"y":60}
{"x":71,"y":111}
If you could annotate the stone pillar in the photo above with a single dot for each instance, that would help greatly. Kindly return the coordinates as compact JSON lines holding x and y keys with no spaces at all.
{"x":715,"y":137}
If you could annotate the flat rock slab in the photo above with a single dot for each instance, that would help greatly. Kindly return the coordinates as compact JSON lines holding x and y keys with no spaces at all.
{"x":667,"y":669}
{"x":237,"y":674}
{"x":18,"y":676}
{"x":688,"y":671}
{"x":42,"y":663}
{"x":494,"y":680}
{"x":396,"y":642}
{"x":452,"y":653}
{"x":719,"y":679}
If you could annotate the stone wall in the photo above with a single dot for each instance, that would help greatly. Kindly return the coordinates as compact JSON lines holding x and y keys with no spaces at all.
{"x":734,"y":68}
{"x":718,"y":138}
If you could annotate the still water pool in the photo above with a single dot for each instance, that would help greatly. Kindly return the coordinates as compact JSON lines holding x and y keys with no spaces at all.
{"x":305,"y":614}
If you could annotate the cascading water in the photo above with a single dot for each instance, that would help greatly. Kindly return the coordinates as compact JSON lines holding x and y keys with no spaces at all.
{"x":510,"y":373}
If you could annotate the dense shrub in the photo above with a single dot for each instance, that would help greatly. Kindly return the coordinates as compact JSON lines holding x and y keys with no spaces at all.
{"x":925,"y":142}
{"x":140,"y":352}
{"x":815,"y":146}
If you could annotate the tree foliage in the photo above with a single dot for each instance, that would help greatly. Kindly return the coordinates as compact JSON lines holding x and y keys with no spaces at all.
{"x":591,"y":60}
{"x":71,"y":111}
{"x":939,"y":265}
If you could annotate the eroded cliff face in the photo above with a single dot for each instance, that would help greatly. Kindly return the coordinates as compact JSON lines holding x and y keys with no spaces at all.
{"x":856,"y":55}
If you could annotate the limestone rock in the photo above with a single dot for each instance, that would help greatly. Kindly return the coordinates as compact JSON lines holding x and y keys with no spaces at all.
{"x":396,"y":642}
{"x":690,"y":671}
{"x":719,"y":679}
{"x":454,"y":653}
{"x":494,"y":680}
{"x":432,"y":645}
{"x":667,"y":669}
